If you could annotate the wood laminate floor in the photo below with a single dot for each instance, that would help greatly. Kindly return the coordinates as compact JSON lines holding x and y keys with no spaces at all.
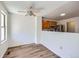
{"x":29,"y":51}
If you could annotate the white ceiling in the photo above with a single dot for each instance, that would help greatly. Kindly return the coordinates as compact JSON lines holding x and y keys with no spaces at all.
{"x":71,"y":9}
{"x":51,"y":9}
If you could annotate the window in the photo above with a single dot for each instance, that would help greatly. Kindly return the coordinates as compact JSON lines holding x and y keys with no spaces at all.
{"x":3,"y":27}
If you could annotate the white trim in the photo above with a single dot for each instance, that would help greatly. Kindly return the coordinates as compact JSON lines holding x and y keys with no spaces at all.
{"x":3,"y":12}
{"x":3,"y":41}
{"x":36,"y":30}
{"x":5,"y":37}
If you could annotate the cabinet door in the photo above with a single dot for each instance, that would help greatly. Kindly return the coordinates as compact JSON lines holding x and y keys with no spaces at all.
{"x":53,"y":23}
{"x":46,"y":24}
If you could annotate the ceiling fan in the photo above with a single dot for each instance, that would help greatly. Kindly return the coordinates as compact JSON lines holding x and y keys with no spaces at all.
{"x":31,"y":11}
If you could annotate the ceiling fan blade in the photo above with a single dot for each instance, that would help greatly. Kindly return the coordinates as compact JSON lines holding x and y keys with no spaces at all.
{"x":22,"y":11}
{"x":33,"y":14}
{"x":37,"y":10}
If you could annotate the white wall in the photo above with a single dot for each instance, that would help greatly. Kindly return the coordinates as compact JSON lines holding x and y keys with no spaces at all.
{"x":4,"y":45}
{"x":22,"y":30}
{"x":63,"y":44}
{"x":75,"y":19}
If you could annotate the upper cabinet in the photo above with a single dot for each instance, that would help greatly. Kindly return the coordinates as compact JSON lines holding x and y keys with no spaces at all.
{"x":48,"y":23}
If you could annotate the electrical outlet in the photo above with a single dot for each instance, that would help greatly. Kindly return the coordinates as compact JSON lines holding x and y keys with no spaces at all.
{"x":61,"y":47}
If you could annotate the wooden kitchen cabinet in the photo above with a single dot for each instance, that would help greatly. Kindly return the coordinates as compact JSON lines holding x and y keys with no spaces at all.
{"x":47,"y":24}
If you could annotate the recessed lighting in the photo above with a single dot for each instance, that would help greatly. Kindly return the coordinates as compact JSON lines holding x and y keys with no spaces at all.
{"x":62,"y":14}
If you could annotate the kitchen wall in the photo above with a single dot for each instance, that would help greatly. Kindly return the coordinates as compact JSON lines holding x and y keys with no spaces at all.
{"x":22,"y":30}
{"x":75,"y":19}
{"x":3,"y":45}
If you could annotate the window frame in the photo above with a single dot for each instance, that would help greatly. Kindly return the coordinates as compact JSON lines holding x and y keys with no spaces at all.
{"x":4,"y":26}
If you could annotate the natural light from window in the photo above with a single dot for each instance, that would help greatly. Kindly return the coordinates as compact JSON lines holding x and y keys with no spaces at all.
{"x":3,"y":26}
